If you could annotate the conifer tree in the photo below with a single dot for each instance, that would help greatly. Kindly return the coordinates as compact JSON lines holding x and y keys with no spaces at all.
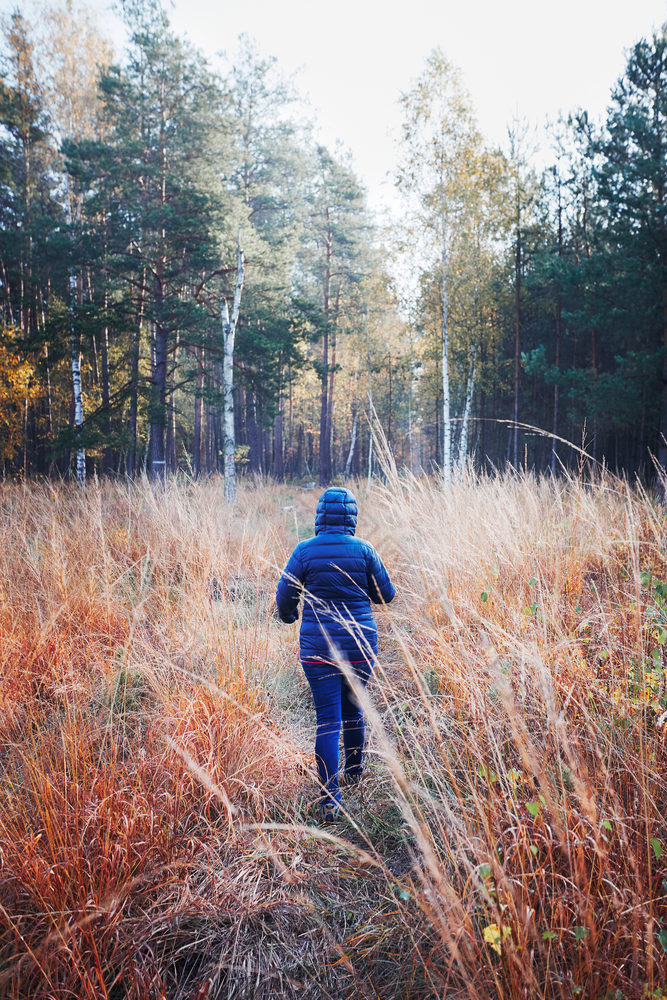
{"x":631,"y":173}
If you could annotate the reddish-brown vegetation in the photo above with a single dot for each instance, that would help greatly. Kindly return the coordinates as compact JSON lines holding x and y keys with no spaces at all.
{"x":509,"y":839}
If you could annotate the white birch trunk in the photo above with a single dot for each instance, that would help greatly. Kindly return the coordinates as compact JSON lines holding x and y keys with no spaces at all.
{"x":446,"y":421}
{"x":76,"y":384}
{"x":353,"y":441}
{"x":76,"y":367}
{"x":228,"y":335}
{"x":463,"y":443}
{"x":370,"y":431}
{"x":412,"y":463}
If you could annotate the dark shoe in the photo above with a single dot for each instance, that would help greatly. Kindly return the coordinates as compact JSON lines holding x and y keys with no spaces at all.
{"x":351,"y":779}
{"x":329,"y":812}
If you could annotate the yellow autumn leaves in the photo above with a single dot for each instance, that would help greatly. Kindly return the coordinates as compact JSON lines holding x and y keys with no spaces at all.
{"x":17,"y":387}
{"x":494,"y":936}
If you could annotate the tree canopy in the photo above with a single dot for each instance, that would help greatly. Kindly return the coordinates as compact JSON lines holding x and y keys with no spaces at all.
{"x":510,"y":311}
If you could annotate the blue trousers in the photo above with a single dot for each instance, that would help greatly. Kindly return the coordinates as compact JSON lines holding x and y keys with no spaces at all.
{"x":336,"y":707}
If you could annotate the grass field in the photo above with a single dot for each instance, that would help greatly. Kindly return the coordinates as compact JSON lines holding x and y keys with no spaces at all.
{"x":157,"y":834}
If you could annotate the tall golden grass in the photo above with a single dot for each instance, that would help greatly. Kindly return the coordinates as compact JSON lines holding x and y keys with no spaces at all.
{"x":156,"y":835}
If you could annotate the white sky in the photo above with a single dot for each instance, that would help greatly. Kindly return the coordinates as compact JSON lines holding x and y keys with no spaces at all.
{"x":531,"y":57}
{"x":354,"y":57}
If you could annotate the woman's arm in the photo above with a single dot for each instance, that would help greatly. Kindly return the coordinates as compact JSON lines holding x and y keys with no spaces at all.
{"x":289,"y":588}
{"x":380,"y":588}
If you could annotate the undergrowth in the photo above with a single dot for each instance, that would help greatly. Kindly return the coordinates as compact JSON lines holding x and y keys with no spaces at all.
{"x":157,"y":832}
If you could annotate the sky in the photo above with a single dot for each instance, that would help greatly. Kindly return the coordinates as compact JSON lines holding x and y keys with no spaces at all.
{"x":353,"y":58}
{"x":519,"y":57}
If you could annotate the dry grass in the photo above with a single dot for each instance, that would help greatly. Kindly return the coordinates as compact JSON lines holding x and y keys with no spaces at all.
{"x":156,"y":835}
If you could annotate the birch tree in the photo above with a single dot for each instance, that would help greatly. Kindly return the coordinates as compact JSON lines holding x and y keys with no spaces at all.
{"x":228,"y":334}
{"x":440,"y":144}
{"x":76,"y":382}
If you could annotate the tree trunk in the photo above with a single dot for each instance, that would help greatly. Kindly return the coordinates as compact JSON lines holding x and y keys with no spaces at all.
{"x":199,"y":403}
{"x":354,"y":397}
{"x":330,"y":402}
{"x":389,"y":409}
{"x":228,"y":334}
{"x":325,"y":427}
{"x":446,"y":421}
{"x":171,"y":435}
{"x":208,"y":440}
{"x":218,"y":440}
{"x":356,"y":458}
{"x":268,"y":448}
{"x":662,"y":447}
{"x":158,"y":390}
{"x":160,"y":334}
{"x":278,"y":462}
{"x":559,"y":320}
{"x":410,"y":394}
{"x":107,"y":458}
{"x":171,"y":414}
{"x":134,"y":379}
{"x":463,"y":442}
{"x":517,"y":336}
{"x":76,"y":383}
{"x":298,"y":461}
{"x":554,"y":443}
{"x":228,"y":386}
{"x":324,"y":413}
{"x":371,"y":418}
{"x":254,"y":443}
{"x":353,"y":444}
{"x":290,"y":426}
{"x":47,"y":408}
{"x":310,"y":453}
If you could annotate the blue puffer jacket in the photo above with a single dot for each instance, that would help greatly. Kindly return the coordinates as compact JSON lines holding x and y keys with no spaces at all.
{"x":339,"y":575}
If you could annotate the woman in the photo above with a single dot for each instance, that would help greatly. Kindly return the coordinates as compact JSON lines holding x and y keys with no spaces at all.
{"x":339,"y":575}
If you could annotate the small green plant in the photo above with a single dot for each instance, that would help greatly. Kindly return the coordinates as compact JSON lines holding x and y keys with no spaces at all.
{"x":127,"y":692}
{"x":648,"y":675}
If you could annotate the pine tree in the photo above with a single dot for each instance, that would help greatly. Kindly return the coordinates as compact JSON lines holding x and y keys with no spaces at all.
{"x":267,"y":175}
{"x":631,"y":174}
{"x":337,"y":249}
{"x":156,"y":216}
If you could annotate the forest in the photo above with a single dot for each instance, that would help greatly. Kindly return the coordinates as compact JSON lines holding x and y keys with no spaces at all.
{"x":198,"y":306}
{"x":511,"y":314}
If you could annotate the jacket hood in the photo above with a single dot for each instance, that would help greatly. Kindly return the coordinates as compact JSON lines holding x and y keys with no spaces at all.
{"x":336,"y":511}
